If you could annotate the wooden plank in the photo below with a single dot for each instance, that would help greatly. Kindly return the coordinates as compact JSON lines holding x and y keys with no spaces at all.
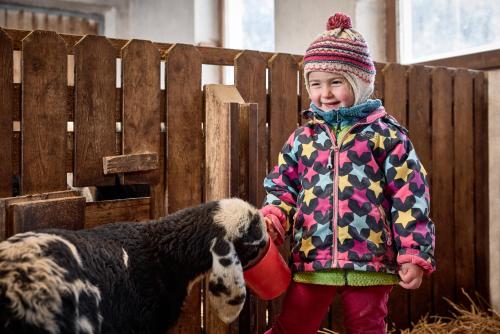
{"x":53,"y":23}
{"x":184,"y":166}
{"x":94,"y":124}
{"x":391,"y":19}
{"x":39,"y":20}
{"x":158,"y":191}
{"x":283,"y":102}
{"x":66,"y":213}
{"x":43,"y":113}
{"x":13,"y":19}
{"x":105,"y":212}
{"x":419,"y":125}
{"x":6,"y":222}
{"x":130,"y":163}
{"x":250,"y":80}
{"x":183,"y":82}
{"x":442,"y":188}
{"x":223,"y":172}
{"x":3,"y":17}
{"x":378,"y":92}
{"x":304,"y":100}
{"x":395,"y":97}
{"x":239,"y":150}
{"x":283,"y":120}
{"x":481,"y":186}
{"x":6,"y":107}
{"x":464,"y":183}
{"x":141,"y":104}
{"x":396,"y":91}
{"x":27,"y":20}
{"x":252,"y":318}
{"x":218,"y":138}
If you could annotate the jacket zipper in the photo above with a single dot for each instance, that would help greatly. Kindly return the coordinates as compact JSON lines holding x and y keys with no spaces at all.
{"x":336,"y":149}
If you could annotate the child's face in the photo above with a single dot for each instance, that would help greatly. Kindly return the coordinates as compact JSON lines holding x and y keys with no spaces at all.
{"x":330,"y":91}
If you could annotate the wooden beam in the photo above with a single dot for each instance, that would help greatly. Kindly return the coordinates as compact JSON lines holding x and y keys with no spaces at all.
{"x":5,"y":203}
{"x":105,"y":212}
{"x":66,"y":213}
{"x":391,"y":29}
{"x":130,"y":163}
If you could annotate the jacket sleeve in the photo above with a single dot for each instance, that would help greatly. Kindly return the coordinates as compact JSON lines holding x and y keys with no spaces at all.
{"x":414,"y":232}
{"x":282,"y":186}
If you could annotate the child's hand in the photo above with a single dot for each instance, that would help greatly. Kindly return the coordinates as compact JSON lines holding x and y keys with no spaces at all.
{"x":273,"y":234}
{"x":274,"y":229}
{"x":411,"y":276}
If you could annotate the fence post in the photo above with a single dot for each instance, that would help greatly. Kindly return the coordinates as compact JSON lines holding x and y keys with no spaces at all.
{"x":227,"y":130}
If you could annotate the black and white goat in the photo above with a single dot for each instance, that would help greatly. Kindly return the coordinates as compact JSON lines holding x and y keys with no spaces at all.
{"x":128,"y":277}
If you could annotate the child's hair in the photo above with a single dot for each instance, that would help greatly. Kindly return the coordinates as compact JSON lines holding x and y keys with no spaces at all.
{"x":343,"y":50}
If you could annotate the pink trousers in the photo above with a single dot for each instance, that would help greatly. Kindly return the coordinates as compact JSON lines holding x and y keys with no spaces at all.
{"x":305,"y":306}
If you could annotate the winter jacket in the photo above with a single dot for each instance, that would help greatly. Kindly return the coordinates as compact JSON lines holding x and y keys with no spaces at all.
{"x":360,"y":203}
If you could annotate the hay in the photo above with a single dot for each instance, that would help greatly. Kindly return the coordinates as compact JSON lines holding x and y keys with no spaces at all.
{"x":477,"y":318}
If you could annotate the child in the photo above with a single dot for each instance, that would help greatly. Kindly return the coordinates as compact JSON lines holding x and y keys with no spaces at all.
{"x":352,"y":191}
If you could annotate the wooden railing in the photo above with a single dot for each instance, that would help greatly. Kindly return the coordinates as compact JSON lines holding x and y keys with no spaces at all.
{"x":63,"y":110}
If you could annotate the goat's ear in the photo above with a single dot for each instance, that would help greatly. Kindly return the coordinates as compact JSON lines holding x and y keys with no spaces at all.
{"x":226,"y":285}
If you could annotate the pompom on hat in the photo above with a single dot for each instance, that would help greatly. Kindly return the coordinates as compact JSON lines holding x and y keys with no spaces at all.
{"x":343,"y":50}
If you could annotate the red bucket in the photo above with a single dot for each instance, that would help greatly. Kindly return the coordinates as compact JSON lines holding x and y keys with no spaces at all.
{"x":270,"y":277}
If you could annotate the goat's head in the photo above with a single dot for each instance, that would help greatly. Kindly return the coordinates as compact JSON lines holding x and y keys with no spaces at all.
{"x":244,"y":243}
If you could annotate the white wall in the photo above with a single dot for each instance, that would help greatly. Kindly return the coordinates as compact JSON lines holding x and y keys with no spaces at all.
{"x":162,"y":20}
{"x":298,"y":22}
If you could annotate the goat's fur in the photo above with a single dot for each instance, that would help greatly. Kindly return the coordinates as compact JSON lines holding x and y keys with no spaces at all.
{"x":128,"y":277}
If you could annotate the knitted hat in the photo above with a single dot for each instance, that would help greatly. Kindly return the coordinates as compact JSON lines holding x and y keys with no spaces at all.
{"x":342,"y":50}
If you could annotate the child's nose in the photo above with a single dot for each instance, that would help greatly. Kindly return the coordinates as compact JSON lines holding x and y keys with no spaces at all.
{"x":326,"y":91}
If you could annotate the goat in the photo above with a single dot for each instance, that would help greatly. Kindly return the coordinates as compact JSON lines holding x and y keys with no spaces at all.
{"x":128,"y":277}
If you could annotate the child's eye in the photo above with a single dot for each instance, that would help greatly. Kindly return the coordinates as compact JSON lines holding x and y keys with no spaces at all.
{"x":337,"y":82}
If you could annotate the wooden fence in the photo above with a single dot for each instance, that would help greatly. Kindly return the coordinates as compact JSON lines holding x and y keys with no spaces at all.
{"x":193,"y":144}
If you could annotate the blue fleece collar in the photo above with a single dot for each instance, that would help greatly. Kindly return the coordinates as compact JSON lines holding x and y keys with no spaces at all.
{"x":351,"y":114}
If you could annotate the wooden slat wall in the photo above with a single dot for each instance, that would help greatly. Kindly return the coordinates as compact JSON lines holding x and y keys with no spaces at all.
{"x":6,"y":107}
{"x":444,"y":109}
{"x":95,"y":95}
{"x":252,"y":87}
{"x":395,"y":97}
{"x":464,"y":182}
{"x":481,"y":182}
{"x":44,"y":87}
{"x":419,"y":125}
{"x":141,"y":104}
{"x":283,"y":119}
{"x":442,"y":186}
{"x":32,"y":20}
{"x":184,"y":151}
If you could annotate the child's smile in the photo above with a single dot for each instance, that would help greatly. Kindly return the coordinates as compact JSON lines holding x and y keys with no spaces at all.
{"x":330,"y":91}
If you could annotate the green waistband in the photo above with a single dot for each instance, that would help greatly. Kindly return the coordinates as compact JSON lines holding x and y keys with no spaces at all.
{"x":346,"y":277}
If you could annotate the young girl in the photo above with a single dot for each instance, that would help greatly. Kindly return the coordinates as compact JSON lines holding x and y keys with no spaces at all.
{"x":350,"y":188}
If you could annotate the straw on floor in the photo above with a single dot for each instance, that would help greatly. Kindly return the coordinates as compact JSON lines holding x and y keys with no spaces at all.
{"x":475,"y":318}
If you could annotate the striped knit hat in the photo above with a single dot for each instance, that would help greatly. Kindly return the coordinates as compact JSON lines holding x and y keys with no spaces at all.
{"x":342,"y":50}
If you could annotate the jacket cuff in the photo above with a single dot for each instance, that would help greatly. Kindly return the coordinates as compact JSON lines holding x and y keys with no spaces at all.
{"x":273,"y":210}
{"x":426,"y":266}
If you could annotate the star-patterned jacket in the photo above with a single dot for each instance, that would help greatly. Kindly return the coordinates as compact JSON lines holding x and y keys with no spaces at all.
{"x":360,"y":203}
